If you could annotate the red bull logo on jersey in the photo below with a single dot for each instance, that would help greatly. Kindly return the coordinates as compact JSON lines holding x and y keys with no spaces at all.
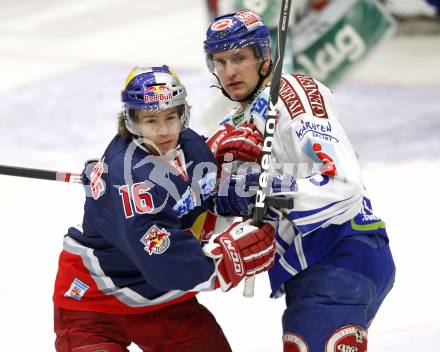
{"x":156,"y":240}
{"x":155,"y":94}
{"x":77,"y":289}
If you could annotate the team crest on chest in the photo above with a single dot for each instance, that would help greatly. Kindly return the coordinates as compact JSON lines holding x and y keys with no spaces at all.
{"x":156,"y":240}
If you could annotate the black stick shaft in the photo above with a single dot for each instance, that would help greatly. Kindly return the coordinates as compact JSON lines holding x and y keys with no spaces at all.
{"x":39,"y":174}
{"x":271,"y":115}
{"x":269,"y":130}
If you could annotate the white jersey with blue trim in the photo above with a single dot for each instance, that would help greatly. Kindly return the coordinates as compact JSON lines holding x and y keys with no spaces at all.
{"x":310,"y":144}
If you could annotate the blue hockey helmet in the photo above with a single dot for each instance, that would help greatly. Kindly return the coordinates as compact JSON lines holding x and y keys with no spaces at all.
{"x":237,"y":30}
{"x":153,"y":89}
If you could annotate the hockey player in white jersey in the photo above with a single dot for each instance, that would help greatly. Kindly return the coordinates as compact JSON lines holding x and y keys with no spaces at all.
{"x":333,"y":261}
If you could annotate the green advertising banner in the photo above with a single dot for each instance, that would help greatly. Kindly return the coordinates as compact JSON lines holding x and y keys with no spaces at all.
{"x":329,"y":46}
{"x":269,"y":10}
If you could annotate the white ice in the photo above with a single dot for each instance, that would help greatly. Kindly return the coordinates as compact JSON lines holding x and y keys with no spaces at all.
{"x":62,"y":66}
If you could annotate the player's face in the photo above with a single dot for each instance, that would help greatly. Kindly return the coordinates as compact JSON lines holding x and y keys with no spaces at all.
{"x":161,"y":127}
{"x":237,"y":71}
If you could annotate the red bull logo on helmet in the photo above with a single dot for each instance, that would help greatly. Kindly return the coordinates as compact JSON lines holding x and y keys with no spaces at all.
{"x":155,"y":94}
{"x":156,"y":240}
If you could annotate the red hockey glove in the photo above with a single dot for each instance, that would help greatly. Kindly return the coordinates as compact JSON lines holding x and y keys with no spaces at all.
{"x":241,"y":143}
{"x":242,"y":250}
{"x":213,"y":142}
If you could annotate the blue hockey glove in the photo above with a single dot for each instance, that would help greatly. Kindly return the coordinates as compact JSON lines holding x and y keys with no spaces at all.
{"x":236,"y":195}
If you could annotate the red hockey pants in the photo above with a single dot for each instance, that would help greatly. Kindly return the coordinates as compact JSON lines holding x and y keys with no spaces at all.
{"x":183,"y":327}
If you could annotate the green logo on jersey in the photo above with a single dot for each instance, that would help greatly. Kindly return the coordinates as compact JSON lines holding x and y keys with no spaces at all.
{"x":236,"y":119}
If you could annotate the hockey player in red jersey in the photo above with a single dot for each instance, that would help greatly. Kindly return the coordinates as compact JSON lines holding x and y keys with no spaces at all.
{"x":146,"y":246}
{"x":333,"y":262}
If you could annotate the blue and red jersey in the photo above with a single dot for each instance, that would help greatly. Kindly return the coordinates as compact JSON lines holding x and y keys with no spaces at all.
{"x":138,"y":248}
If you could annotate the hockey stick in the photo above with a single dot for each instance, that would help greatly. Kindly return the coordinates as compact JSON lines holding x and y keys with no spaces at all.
{"x":261,"y":200}
{"x":40,"y":174}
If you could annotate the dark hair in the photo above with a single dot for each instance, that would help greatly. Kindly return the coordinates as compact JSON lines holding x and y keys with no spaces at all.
{"x":122,"y":129}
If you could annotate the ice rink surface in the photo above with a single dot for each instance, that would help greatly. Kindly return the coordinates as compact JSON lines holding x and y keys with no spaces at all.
{"x":62,"y":66}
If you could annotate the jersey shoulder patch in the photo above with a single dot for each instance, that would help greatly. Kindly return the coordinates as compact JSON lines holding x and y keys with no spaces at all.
{"x":313,"y":94}
{"x":290,"y":97}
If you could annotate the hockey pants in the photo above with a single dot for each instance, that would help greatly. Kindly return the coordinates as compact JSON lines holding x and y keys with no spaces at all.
{"x":331,"y":304}
{"x":183,"y":327}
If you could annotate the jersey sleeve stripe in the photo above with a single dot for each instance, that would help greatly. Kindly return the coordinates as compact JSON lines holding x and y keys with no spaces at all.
{"x":106,"y":285}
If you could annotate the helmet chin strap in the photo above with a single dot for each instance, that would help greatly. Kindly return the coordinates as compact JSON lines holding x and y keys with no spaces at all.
{"x":261,"y":79}
{"x":154,"y":149}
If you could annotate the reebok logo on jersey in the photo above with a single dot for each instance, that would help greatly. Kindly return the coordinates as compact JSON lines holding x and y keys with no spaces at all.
{"x":156,"y":240}
{"x":77,"y":289}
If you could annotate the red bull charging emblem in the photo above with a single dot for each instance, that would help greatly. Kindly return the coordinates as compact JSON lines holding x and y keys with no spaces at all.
{"x":156,"y":240}
{"x":157,"y":94}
